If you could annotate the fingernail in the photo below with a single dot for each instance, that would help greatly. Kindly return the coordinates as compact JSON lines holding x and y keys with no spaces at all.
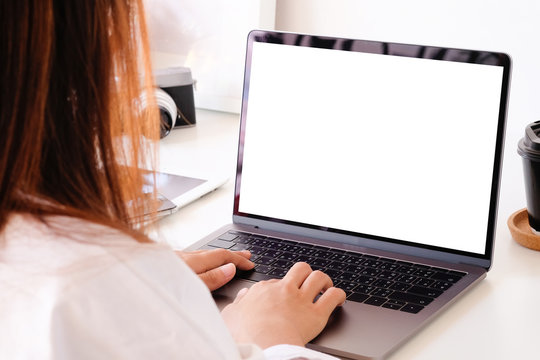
{"x":228,"y":270}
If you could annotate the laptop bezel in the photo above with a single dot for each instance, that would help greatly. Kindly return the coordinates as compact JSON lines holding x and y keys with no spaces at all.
{"x":366,"y":240}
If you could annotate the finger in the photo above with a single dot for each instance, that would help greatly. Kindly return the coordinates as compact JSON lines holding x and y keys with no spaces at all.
{"x":219,"y":276}
{"x":181,"y":253}
{"x":316,"y":283}
{"x":187,"y":254}
{"x":240,"y":294}
{"x":298,"y":274}
{"x":207,"y":260}
{"x":330,"y":299}
{"x":244,"y":253}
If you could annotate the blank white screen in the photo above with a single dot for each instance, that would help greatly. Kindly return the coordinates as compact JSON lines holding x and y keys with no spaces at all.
{"x":383,"y":145}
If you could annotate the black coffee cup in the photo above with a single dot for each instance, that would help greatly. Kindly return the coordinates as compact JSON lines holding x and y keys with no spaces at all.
{"x":529,"y":149}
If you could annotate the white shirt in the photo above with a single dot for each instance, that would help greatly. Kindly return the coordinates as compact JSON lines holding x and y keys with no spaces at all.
{"x":70,"y":289}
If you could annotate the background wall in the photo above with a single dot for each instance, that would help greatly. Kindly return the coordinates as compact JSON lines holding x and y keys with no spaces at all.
{"x":511,"y":26}
{"x":209,"y":36}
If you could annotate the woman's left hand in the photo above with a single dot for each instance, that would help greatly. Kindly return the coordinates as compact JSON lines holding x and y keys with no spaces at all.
{"x":216,"y":267}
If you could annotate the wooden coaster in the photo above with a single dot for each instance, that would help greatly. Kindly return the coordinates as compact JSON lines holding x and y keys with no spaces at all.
{"x":518,"y":223}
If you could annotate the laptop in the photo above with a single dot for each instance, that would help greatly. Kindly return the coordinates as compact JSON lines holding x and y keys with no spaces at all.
{"x":378,"y":163}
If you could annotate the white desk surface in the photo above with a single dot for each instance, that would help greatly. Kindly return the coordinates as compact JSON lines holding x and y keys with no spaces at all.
{"x":498,"y":319}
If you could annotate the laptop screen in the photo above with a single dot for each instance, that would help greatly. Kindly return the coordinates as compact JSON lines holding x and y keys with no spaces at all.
{"x":386,"y":141}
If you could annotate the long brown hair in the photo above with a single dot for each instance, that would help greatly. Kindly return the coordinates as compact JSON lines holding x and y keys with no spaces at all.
{"x":72,"y":136}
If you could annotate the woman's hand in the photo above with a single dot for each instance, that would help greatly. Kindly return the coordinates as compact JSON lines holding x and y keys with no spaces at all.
{"x":216,"y":267}
{"x":283,"y":311}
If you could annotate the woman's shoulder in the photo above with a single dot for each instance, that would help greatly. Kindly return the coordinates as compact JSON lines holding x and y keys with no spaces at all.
{"x":61,"y":245}
{"x":125,"y":293}
{"x":23,"y":227}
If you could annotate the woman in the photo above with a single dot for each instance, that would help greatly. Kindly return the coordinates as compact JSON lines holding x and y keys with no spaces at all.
{"x":78,"y":277}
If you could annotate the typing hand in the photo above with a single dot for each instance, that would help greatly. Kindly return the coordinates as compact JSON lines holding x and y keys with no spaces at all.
{"x":283,"y":311}
{"x":216,"y":267}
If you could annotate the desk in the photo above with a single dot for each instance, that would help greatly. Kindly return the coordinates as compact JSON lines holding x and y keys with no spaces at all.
{"x":498,"y":319}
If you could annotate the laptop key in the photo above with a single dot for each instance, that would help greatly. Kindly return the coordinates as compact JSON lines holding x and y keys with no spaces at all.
{"x":289,"y":242}
{"x":399,"y":286}
{"x":369,"y":271}
{"x":306,"y":251}
{"x":442,"y":285}
{"x":391,"y":306}
{"x":389,"y":275}
{"x":283,"y":264}
{"x":290,"y":248}
{"x":425,"y":291}
{"x":287,"y":256}
{"x":457,"y":273}
{"x":382,"y":292}
{"x":305,"y":258}
{"x":394,"y":304}
{"x":446,"y":277}
{"x":243,"y":240}
{"x":322,"y":254}
{"x":336,"y":265}
{"x":347,"y":286}
{"x":411,"y":308}
{"x":264,"y":260}
{"x":375,"y":300}
{"x":388,"y":266}
{"x":320,"y":262}
{"x":227,"y":237}
{"x":354,"y":268}
{"x":263,"y":269}
{"x":383,"y":283}
{"x":338,"y":257}
{"x":272,"y":253}
{"x":279,"y":273}
{"x":366,"y":280}
{"x":424,"y":273}
{"x":411,"y":298}
{"x":258,"y":242}
{"x":346,"y":276}
{"x":357,"y":297}
{"x":405,"y":263}
{"x":239,"y":247}
{"x":406,"y":270}
{"x":275,"y":245}
{"x":257,"y":250}
{"x":332,"y":273}
{"x":372,"y":263}
{"x":355,"y":259}
{"x":424,"y":282}
{"x":409,"y":279}
{"x":364,"y":289}
{"x":221,"y":244}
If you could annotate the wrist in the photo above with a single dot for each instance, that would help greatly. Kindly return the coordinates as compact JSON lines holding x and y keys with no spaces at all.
{"x":268,"y":339}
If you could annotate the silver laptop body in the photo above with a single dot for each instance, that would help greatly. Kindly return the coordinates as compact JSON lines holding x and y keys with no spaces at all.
{"x":385,"y":149}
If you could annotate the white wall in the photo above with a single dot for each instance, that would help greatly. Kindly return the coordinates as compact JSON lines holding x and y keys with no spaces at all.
{"x":209,"y":37}
{"x":511,"y":26}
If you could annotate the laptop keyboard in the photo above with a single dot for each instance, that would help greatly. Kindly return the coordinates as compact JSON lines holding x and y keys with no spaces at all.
{"x":377,"y":281}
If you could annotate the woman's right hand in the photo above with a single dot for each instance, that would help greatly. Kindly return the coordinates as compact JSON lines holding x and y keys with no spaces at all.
{"x":283,"y":311}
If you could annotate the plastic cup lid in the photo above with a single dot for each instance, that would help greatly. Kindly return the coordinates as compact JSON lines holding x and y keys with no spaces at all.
{"x":529,"y":145}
